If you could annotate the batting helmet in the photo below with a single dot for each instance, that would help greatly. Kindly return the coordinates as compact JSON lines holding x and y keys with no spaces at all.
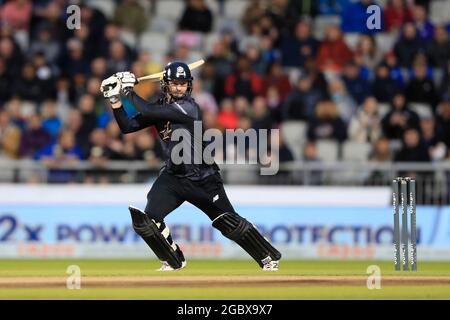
{"x":176,"y":71}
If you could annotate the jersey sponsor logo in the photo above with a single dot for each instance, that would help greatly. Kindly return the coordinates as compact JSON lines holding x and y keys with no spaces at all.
{"x":166,"y":131}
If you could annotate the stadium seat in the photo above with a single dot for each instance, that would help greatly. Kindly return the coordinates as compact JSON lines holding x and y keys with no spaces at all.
{"x":106,"y":7}
{"x":234,"y":24}
{"x":439,"y":11}
{"x":322,"y":22}
{"x":438,"y":74}
{"x":213,"y":5}
{"x":385,"y":41}
{"x":235,"y":8}
{"x":162,"y":25}
{"x":172,"y":9}
{"x":294,"y":136}
{"x":327,"y":150}
{"x":352,"y":152}
{"x":154,"y":42}
{"x":355,"y":151}
{"x":208,"y":42}
{"x":22,"y":38}
{"x":129,"y":38}
{"x":383,"y":108}
{"x":351,"y":39}
{"x":423,"y":110}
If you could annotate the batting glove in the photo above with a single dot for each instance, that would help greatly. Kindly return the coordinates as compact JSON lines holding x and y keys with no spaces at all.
{"x":110,"y":88}
{"x":127,"y":80}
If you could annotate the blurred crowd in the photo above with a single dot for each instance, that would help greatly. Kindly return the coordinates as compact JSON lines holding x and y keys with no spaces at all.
{"x":269,"y":67}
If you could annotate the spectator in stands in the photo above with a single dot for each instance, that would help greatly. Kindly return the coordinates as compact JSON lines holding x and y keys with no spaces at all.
{"x":365,"y":125}
{"x":443,"y":121}
{"x":244,"y":81}
{"x":63,"y":152}
{"x":11,"y":55}
{"x":253,"y":13}
{"x":311,"y":154}
{"x":147,"y":149}
{"x":111,"y":33}
{"x":196,"y":17}
{"x":327,"y":123}
{"x":274,"y":103}
{"x":28,"y":86}
{"x":96,"y":21}
{"x":260,"y":114}
{"x":408,"y":45}
{"x":413,"y":150}
{"x":17,"y":14}
{"x":367,"y":53}
{"x":381,"y":151}
{"x":46,"y":44}
{"x":16,"y":111}
{"x":5,"y":83}
{"x":131,"y":16}
{"x":277,"y":11}
{"x":356,"y":85}
{"x":396,"y":14}
{"x":431,"y":139}
{"x":45,"y":74}
{"x":399,"y":118}
{"x":300,"y":104}
{"x":227,"y":117}
{"x":222,"y":60}
{"x":297,"y":9}
{"x":420,"y":88}
{"x":242,"y":106}
{"x":354,"y":17}
{"x":74,"y":61}
{"x":204,"y":99}
{"x":218,"y":66}
{"x":9,"y":137}
{"x":384,"y":86}
{"x":395,"y":71}
{"x":317,"y":77}
{"x":270,"y":54}
{"x":296,"y":48}
{"x":34,"y":137}
{"x":327,"y":7}
{"x":346,"y":105}
{"x":209,"y":120}
{"x":89,"y":122}
{"x":50,"y":120}
{"x":254,"y":56}
{"x":119,"y":59}
{"x":98,"y":153}
{"x":333,"y":53}
{"x":444,"y":87}
{"x":89,"y":45}
{"x":277,"y":78}
{"x":438,"y":49}
{"x":424,"y":27}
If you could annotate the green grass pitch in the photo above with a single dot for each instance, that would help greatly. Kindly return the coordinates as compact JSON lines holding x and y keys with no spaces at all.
{"x":219,"y":279}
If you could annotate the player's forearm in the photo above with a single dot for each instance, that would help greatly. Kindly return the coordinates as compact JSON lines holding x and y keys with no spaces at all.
{"x":139,"y":103}
{"x":126,"y":124}
{"x":156,"y":112}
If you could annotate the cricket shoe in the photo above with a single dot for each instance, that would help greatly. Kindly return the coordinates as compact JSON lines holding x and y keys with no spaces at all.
{"x":166,"y":267}
{"x":271,"y":266}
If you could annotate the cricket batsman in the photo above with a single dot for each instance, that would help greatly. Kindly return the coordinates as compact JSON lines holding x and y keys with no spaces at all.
{"x":199,"y":184}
